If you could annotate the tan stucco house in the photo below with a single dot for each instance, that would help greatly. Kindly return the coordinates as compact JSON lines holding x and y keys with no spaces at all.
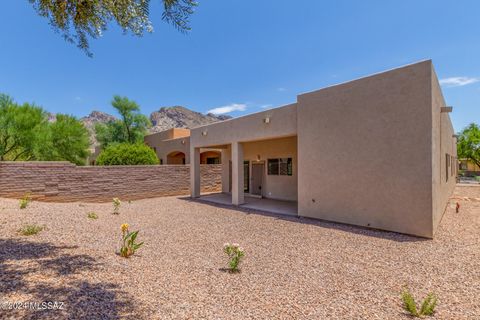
{"x":378,"y":152}
{"x":172,"y":146}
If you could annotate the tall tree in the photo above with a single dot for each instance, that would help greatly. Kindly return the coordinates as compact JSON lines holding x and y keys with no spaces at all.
{"x":26,"y":134}
{"x":79,"y":20}
{"x":468,"y":144}
{"x":20,"y":126}
{"x":66,"y":139}
{"x":131,"y":128}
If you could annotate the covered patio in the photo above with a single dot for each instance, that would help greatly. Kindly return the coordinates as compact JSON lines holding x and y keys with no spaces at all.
{"x":262,"y":204}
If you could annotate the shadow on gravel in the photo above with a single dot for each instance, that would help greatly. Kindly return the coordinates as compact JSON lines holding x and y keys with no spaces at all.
{"x":365,"y":231}
{"x":43,"y":272}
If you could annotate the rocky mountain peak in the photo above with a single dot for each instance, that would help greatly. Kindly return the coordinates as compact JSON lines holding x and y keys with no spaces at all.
{"x":181,"y":117}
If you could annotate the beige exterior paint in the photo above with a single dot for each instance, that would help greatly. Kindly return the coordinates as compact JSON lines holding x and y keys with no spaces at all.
{"x":444,"y":168}
{"x":280,"y":187}
{"x":172,"y":146}
{"x":169,"y":142}
{"x":370,"y":152}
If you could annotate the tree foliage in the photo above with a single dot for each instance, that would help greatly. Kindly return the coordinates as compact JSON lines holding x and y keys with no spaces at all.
{"x":468,"y":144}
{"x":130,"y":128}
{"x":65,"y":139}
{"x":127,"y":154}
{"x":79,"y":20}
{"x":20,"y":127}
{"x":26,"y":134}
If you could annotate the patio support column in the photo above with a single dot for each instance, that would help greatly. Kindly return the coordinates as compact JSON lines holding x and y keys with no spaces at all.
{"x":226,"y":170}
{"x":237,"y":174}
{"x":194,"y":172}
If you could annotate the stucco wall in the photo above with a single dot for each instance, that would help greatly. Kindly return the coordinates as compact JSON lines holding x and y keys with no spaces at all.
{"x":164,"y":147}
{"x":64,"y":182}
{"x":275,"y":186}
{"x":283,"y":123}
{"x":364,"y":151}
{"x":443,"y":143}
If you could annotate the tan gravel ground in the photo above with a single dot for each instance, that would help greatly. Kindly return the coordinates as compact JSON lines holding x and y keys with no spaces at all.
{"x":294,"y":268}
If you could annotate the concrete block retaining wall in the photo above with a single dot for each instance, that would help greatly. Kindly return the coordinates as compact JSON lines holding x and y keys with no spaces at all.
{"x":66,"y":182}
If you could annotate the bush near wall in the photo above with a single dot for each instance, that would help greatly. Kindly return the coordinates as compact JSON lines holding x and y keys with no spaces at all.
{"x":123,"y":154}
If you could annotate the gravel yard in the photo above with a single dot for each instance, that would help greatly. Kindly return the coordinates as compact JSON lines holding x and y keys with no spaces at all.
{"x":294,"y":268}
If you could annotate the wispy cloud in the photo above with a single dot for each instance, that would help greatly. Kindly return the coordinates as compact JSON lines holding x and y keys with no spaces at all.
{"x":78,"y":98}
{"x":458,"y":81}
{"x":281,"y":89}
{"x":229,"y":108}
{"x":266,"y":106}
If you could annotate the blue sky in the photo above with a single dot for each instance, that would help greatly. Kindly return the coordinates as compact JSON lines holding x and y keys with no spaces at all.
{"x":243,"y":54}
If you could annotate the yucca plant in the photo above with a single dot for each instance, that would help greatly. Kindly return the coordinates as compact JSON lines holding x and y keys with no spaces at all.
{"x":129,"y":245}
{"x":427,"y":308}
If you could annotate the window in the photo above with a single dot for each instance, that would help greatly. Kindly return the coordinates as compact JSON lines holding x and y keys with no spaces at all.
{"x":447,"y":165}
{"x":282,"y":167}
{"x":215,"y":160}
{"x":273,"y":166}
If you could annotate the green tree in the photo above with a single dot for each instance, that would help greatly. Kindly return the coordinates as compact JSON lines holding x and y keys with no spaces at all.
{"x":79,"y":20}
{"x":468,"y":144}
{"x":26,"y":134}
{"x":20,"y":127}
{"x":127,"y":154}
{"x":66,"y":139}
{"x":130,"y":128}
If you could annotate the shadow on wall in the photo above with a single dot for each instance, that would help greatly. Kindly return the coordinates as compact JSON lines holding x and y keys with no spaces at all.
{"x":82,"y":299}
{"x":387,"y":235}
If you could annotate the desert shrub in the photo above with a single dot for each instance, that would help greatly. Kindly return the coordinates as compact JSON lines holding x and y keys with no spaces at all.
{"x":92,"y":215}
{"x":116,"y":205}
{"x":25,"y":200}
{"x":30,"y":229}
{"x":129,"y":246}
{"x":127,"y":154}
{"x":235,"y":254}
{"x":427,"y":308}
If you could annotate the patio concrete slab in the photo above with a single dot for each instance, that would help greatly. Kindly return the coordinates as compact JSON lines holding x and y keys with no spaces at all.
{"x":262,"y":204}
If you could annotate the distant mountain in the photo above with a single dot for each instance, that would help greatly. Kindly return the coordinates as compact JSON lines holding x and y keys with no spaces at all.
{"x":163,"y":119}
{"x":181,"y":117}
{"x":91,"y":120}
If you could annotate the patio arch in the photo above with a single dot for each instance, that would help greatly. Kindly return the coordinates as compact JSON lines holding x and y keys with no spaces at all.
{"x":176,"y":157}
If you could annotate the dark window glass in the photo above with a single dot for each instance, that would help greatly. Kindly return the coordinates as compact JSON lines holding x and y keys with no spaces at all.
{"x":273,"y":167}
{"x":286,"y":166}
{"x":213,"y":160}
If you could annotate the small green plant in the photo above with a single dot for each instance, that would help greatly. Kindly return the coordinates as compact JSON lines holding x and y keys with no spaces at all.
{"x":92,"y":215}
{"x":128,"y":238}
{"x":30,"y":229}
{"x":427,"y":308}
{"x":25,"y":200}
{"x":235,"y":254}
{"x":116,"y":205}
